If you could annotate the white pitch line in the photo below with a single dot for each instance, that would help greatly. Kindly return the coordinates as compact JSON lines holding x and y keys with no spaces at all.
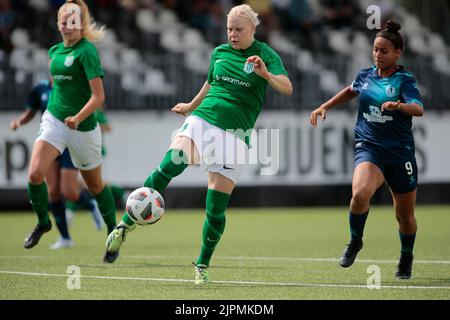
{"x":254,"y":283}
{"x":91,"y":277}
{"x":293,"y":259}
{"x":288,"y":259}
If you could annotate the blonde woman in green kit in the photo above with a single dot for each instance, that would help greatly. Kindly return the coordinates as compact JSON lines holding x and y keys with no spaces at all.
{"x":226,"y":107}
{"x":69,"y":121}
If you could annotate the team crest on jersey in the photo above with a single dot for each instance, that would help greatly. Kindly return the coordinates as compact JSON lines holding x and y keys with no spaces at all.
{"x":69,"y":61}
{"x":249,"y":67}
{"x":390,"y":91}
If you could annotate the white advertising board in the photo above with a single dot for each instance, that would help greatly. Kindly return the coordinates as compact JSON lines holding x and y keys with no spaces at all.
{"x":296,"y":155}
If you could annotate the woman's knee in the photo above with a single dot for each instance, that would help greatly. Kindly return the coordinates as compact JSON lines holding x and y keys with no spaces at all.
{"x":406,"y":220}
{"x":54,"y":194}
{"x":361,"y":196}
{"x":36,"y":177}
{"x":96,"y":188}
{"x":93,"y":180}
{"x":188,"y":147}
{"x":71,"y":194}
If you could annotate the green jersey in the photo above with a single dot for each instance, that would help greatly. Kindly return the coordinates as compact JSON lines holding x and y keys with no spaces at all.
{"x":71,"y":69}
{"x":237,"y":93}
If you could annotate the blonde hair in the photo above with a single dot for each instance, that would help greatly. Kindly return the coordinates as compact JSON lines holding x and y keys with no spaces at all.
{"x":245,"y":11}
{"x":88,"y":26}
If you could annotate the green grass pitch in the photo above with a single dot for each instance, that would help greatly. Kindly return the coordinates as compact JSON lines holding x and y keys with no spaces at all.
{"x":287,"y":254}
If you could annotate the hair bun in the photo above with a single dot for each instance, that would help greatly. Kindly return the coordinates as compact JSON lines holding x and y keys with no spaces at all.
{"x":393,"y":26}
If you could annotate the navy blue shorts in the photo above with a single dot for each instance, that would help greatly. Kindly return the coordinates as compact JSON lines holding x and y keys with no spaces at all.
{"x":401,"y":178}
{"x":64,"y":160}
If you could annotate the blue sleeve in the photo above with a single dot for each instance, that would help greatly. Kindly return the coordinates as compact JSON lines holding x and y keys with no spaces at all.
{"x":409,"y":91}
{"x":357,"y":83}
{"x":34,"y":99}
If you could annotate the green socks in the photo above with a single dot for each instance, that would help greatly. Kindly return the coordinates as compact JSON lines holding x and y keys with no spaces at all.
{"x":117,"y":192}
{"x":127,"y":220}
{"x":72,"y":206}
{"x":107,"y":208}
{"x":39,"y":201}
{"x":216,"y":204}
{"x":174,"y":163}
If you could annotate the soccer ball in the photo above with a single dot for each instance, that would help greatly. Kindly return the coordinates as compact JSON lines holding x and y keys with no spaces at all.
{"x":145,"y":206}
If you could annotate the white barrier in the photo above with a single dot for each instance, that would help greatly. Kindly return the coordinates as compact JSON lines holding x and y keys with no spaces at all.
{"x":307,"y":156}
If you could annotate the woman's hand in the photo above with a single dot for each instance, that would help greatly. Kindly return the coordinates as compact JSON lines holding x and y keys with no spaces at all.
{"x":319,"y":112}
{"x":182,"y":108}
{"x":15,"y":124}
{"x":259,"y":66}
{"x":72,"y":122}
{"x":280,"y":83}
{"x":390,"y":106}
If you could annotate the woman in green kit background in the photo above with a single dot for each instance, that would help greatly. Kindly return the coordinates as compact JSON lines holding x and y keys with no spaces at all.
{"x":69,"y":120}
{"x":226,"y":107}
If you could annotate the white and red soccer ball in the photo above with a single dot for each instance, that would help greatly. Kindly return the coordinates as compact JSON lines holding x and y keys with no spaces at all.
{"x":145,"y":206}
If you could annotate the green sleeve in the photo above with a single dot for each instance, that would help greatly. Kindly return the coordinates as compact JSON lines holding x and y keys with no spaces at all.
{"x":91,"y":63}
{"x":273,"y":62}
{"x":211,"y":66}
{"x":51,"y":52}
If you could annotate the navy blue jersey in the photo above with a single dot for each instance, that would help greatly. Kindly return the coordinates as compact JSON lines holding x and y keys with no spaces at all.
{"x":38,"y":98}
{"x":391,"y":131}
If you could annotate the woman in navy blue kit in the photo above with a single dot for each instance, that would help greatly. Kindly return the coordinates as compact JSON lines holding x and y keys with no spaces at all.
{"x":384,"y":149}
